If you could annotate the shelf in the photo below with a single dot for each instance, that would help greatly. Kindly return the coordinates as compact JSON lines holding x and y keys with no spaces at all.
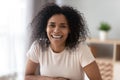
{"x":102,"y":50}
{"x":94,"y":40}
{"x":105,"y":49}
{"x":118,"y":52}
{"x":107,"y":55}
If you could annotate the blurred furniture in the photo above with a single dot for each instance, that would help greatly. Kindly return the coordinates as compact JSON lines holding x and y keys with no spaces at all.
{"x":116,"y":73}
{"x":106,"y":68}
{"x":107,"y":54}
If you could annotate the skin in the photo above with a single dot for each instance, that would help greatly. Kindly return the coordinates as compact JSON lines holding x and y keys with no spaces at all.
{"x":57,"y":32}
{"x":92,"y":71}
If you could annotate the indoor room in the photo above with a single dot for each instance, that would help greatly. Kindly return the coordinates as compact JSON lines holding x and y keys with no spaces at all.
{"x":101,"y":17}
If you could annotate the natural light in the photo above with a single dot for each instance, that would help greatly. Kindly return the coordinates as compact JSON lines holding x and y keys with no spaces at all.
{"x":12,"y":36}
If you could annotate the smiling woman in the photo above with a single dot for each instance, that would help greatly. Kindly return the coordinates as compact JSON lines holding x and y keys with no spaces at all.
{"x":59,"y":47}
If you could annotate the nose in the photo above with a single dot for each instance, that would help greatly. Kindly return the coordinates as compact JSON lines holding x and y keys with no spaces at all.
{"x":56,"y":29}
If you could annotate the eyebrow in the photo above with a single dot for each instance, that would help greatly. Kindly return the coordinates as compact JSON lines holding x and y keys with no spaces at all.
{"x":60,"y":23}
{"x":63,"y":23}
{"x":51,"y":22}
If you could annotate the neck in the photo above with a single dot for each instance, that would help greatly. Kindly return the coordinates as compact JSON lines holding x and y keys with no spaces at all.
{"x":57,"y":48}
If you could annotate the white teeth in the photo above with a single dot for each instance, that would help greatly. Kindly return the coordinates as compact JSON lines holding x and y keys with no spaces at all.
{"x":56,"y":37}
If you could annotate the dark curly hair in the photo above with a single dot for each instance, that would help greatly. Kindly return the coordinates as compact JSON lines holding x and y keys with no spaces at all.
{"x":75,"y":20}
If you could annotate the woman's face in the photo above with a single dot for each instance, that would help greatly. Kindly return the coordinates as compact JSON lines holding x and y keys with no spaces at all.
{"x":57,"y":30}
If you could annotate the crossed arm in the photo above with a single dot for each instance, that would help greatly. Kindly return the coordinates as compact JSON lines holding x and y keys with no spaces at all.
{"x":91,"y":70}
{"x":30,"y":73}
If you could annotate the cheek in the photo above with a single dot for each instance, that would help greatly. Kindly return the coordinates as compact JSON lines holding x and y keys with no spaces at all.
{"x":48,"y":32}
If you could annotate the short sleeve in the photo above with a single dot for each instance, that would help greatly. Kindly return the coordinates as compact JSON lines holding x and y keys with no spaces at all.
{"x":33,"y":52}
{"x":86,"y":56}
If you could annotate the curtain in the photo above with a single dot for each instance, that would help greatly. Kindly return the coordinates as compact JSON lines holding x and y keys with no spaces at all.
{"x":12,"y":38}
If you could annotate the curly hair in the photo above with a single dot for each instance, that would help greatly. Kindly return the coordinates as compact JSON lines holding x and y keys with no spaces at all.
{"x":75,"y":21}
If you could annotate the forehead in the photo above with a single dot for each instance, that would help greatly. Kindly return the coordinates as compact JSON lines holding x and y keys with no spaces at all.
{"x":58,"y":18}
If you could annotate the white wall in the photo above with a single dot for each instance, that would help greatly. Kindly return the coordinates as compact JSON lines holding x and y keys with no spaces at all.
{"x":96,"y":11}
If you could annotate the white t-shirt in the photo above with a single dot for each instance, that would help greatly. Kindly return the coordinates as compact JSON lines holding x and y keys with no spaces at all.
{"x":67,"y":64}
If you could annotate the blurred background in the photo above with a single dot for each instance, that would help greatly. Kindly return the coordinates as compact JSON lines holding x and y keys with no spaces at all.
{"x":16,"y":15}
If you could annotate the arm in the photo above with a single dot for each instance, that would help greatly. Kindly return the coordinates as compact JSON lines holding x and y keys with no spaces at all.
{"x":92,"y":71}
{"x":30,"y":73}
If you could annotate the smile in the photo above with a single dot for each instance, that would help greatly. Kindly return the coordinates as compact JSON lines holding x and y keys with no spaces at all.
{"x":56,"y":36}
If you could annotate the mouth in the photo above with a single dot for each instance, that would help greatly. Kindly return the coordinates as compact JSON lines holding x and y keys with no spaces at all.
{"x":56,"y":36}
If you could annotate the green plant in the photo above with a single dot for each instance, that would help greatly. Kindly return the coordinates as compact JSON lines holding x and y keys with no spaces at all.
{"x":104,"y":26}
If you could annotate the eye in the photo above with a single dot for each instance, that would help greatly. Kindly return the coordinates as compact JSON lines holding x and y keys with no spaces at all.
{"x":64,"y":26}
{"x":51,"y":25}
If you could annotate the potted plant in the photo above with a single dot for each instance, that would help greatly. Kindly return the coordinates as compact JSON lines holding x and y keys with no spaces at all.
{"x":104,"y":29}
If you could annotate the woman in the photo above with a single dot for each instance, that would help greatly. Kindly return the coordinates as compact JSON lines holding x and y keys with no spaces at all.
{"x":59,"y":47}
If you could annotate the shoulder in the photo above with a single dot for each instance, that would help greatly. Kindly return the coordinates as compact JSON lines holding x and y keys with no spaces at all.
{"x":35,"y":44}
{"x":85,"y":54}
{"x":34,"y":52}
{"x":83,"y":49}
{"x":82,"y":46}
{"x":35,"y":47}
{"x":79,"y":49}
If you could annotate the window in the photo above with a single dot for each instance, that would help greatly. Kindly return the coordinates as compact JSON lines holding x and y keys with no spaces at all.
{"x":12,"y":36}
